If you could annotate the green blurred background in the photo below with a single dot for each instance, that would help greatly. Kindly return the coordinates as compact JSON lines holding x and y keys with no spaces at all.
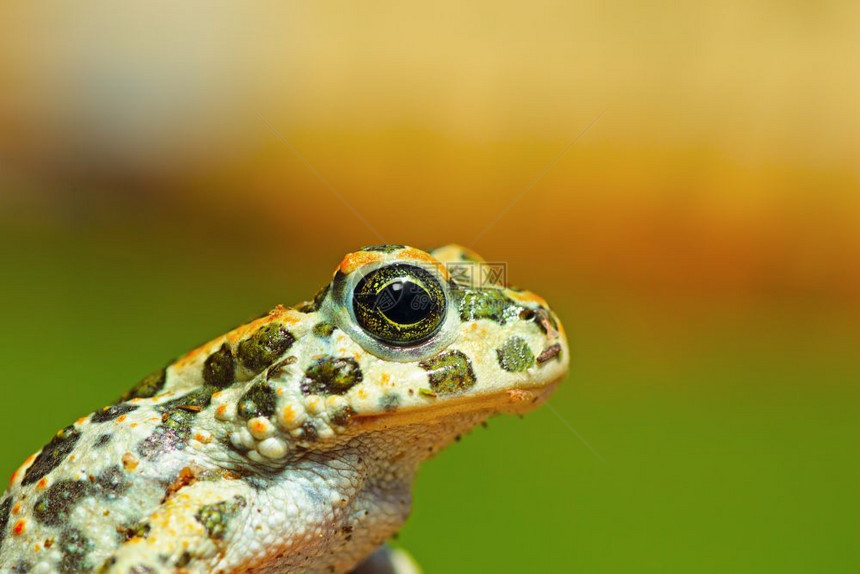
{"x":701,"y":242}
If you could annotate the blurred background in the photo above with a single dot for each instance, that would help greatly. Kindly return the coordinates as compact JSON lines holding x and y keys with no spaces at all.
{"x":168,"y":170}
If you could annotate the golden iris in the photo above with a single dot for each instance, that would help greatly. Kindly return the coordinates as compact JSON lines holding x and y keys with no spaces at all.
{"x":399,"y":304}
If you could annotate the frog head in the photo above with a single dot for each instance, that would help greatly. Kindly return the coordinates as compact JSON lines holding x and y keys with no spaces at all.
{"x":400,"y":339}
{"x":412,"y":334}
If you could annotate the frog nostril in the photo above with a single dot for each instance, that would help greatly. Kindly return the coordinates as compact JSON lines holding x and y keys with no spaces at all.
{"x":527,"y":314}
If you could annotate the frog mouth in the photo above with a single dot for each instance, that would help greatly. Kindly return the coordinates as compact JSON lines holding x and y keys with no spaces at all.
{"x":509,"y":401}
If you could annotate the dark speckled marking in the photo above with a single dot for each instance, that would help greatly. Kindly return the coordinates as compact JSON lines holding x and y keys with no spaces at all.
{"x":5,"y":508}
{"x":216,"y":517}
{"x":21,"y":567}
{"x":148,"y":387}
{"x":515,"y":355}
{"x":55,"y":506}
{"x":167,"y":437}
{"x":320,"y":296}
{"x":449,"y":372}
{"x":551,"y":352}
{"x":331,"y":375}
{"x":309,"y":431}
{"x":52,"y":454}
{"x":184,"y":560}
{"x":175,"y":430}
{"x":258,"y":401}
{"x":219,"y":369}
{"x":342,"y":415}
{"x":102,"y":440}
{"x":490,"y":304}
{"x":323,"y":330}
{"x":110,"y":413}
{"x":112,"y":483}
{"x":135,"y":530}
{"x":278,"y":368}
{"x":192,"y":402}
{"x":263,"y":347}
{"x":383,"y":248}
{"x":74,"y":547}
{"x":545,"y":320}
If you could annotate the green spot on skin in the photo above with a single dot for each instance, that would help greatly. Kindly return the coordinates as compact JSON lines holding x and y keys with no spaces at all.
{"x":150,"y":386}
{"x":515,"y":355}
{"x":219,"y":370}
{"x":427,"y":393}
{"x":215,"y":517}
{"x":383,"y":248}
{"x":265,"y":346}
{"x":323,"y":330}
{"x":490,"y":304}
{"x":258,"y":401}
{"x":466,"y":256}
{"x":178,"y":420}
{"x":331,"y":375}
{"x":449,"y":372}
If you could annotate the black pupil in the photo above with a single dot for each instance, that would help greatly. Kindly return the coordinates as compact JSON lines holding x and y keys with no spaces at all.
{"x":404,"y":302}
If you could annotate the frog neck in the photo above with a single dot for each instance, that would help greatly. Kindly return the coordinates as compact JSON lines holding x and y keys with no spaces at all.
{"x":361,"y":484}
{"x":396,"y":452}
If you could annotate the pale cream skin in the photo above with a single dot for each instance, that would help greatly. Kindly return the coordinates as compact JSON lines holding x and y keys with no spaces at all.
{"x":249,"y":455}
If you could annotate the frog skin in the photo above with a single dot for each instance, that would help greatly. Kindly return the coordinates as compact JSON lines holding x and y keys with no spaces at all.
{"x":290,"y":443}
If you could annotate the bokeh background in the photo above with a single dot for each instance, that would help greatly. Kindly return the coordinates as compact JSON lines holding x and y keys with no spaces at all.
{"x":166,"y":171}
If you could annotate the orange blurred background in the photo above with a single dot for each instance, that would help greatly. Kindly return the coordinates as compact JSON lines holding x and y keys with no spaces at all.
{"x":725,"y":160}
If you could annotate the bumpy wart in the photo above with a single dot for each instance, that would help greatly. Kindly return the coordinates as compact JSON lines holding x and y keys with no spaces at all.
{"x":449,"y":372}
{"x":263,"y":347}
{"x":515,"y":355}
{"x":331,"y":375}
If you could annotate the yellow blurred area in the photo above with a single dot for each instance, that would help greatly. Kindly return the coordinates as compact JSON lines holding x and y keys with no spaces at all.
{"x":725,"y":158}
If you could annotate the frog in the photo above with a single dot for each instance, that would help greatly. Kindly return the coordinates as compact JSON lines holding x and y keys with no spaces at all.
{"x":290,"y":443}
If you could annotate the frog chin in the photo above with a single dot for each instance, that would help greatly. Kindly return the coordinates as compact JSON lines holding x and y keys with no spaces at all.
{"x":507,"y":401}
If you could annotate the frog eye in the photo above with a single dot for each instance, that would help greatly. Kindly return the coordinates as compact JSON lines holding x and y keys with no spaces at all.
{"x":399,"y":304}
